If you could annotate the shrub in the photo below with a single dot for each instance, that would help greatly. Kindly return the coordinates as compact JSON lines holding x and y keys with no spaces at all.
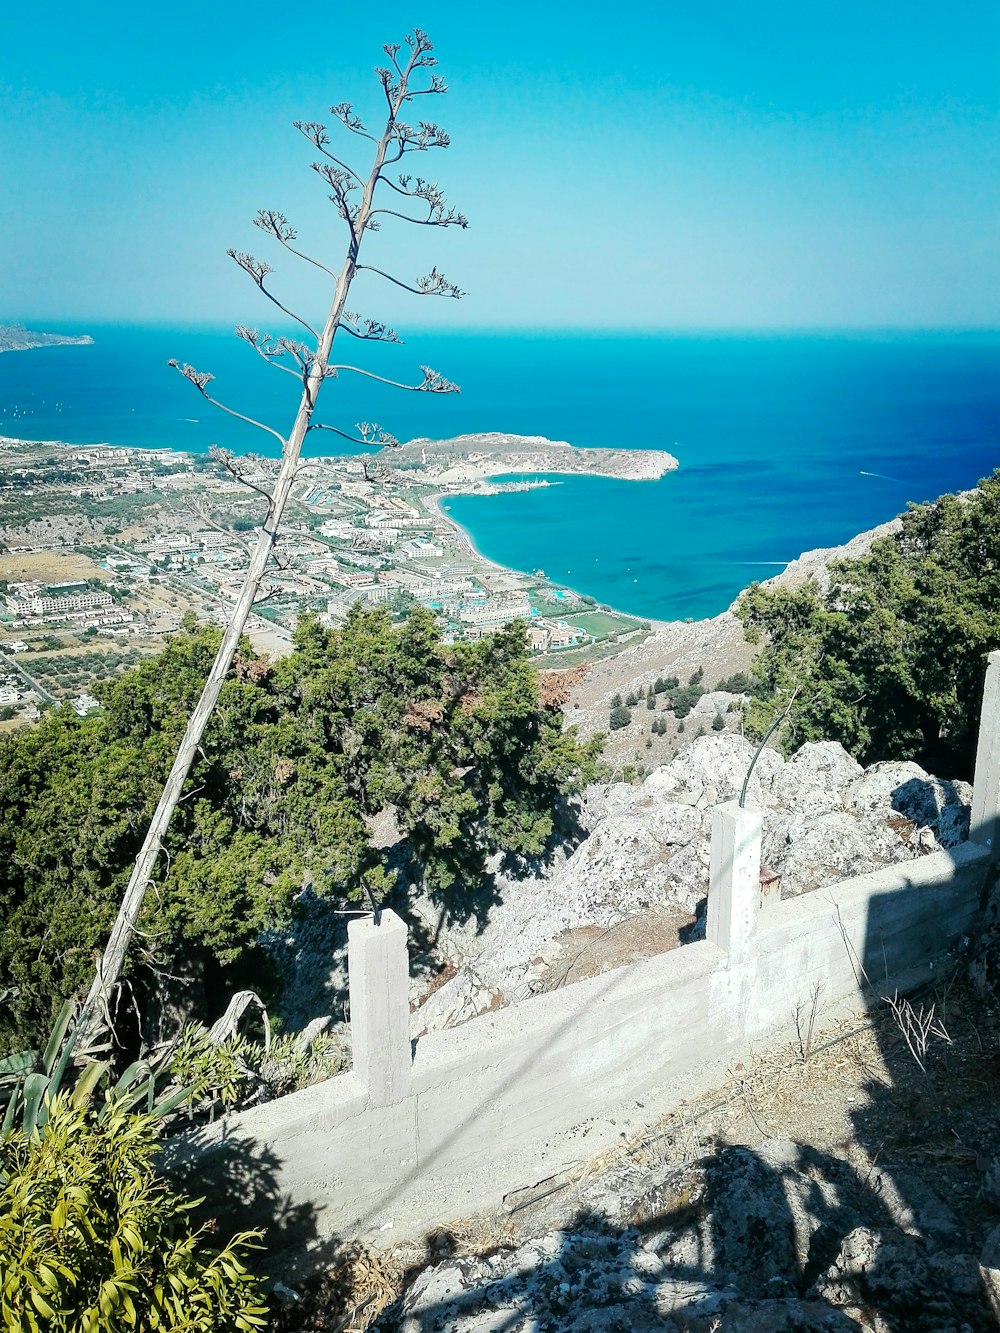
{"x":650,"y":701}
{"x":92,"y":1240}
{"x":620,"y":717}
{"x":696,"y":676}
{"x":718,"y":723}
{"x":631,"y":699}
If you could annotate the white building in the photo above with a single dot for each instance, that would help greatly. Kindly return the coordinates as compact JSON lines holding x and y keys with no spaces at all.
{"x":420,"y":549}
{"x":81,"y":601}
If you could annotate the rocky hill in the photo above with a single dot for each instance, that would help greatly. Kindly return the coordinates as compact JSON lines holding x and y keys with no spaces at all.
{"x":469,"y":459}
{"x":637,"y":882}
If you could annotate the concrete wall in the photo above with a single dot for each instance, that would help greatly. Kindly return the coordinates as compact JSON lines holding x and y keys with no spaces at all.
{"x":477,"y":1111}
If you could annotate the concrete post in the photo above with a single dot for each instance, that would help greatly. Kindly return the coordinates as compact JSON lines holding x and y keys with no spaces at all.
{"x":985,"y":823}
{"x":734,"y":877}
{"x":379,"y":972}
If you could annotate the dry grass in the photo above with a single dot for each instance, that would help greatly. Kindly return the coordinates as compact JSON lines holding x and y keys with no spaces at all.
{"x":49,"y":567}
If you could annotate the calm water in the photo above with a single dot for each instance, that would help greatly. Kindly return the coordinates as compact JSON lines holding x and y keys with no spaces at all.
{"x":784,"y":443}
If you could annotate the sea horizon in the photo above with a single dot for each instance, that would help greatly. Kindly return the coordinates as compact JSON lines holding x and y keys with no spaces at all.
{"x":786,"y":441}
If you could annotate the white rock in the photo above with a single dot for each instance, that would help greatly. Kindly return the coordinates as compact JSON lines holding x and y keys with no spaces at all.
{"x":719,"y":761}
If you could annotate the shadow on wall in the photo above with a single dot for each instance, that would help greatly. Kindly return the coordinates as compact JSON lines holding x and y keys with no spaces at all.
{"x":237,"y":1183}
{"x":881,"y":1232}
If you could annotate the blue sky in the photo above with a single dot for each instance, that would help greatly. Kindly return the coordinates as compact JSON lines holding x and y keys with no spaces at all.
{"x":677,"y":165}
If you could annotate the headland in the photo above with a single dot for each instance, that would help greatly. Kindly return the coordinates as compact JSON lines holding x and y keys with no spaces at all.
{"x":16,"y":338}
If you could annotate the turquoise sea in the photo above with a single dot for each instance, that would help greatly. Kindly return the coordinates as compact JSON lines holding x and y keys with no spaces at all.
{"x":785,"y":443}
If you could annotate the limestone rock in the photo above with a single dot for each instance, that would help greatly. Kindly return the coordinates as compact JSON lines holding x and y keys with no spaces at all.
{"x":718,"y":763}
{"x":989,"y":1271}
{"x":781,"y":1238}
{"x":810,"y":851}
{"x":928,"y":802}
{"x":812,"y":782}
{"x":463,"y":996}
{"x":713,"y":703}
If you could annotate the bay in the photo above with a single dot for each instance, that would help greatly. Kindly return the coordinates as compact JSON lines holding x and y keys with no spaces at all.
{"x":785,"y":443}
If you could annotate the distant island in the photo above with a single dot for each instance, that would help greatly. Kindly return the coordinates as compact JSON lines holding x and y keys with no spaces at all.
{"x":16,"y":338}
{"x":468,"y":460}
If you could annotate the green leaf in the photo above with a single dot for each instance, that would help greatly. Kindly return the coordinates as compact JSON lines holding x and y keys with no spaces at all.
{"x":87,"y":1082}
{"x":15,"y":1066}
{"x":35,"y":1086}
{"x":55,"y":1039}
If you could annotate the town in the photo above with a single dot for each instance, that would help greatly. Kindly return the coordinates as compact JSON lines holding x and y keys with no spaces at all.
{"x":104,"y":551}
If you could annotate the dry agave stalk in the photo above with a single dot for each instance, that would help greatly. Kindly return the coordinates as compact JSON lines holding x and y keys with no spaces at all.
{"x":357,"y":199}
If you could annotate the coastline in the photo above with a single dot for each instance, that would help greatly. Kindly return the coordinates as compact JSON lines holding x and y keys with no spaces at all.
{"x":433,"y":503}
{"x":809,"y":564}
{"x":655,"y":464}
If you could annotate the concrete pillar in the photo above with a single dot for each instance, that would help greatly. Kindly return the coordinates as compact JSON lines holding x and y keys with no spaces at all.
{"x":985,"y":823}
{"x":734,"y":877}
{"x":379,"y":971}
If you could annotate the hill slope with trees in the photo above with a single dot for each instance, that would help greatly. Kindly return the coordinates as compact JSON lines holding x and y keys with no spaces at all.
{"x":890,"y":658}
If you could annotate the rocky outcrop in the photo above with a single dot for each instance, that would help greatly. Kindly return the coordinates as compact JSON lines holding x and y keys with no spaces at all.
{"x":825,"y":818}
{"x":779,"y":1238}
{"x":16,"y":338}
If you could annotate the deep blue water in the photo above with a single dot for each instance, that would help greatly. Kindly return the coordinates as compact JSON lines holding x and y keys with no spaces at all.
{"x":785,"y":443}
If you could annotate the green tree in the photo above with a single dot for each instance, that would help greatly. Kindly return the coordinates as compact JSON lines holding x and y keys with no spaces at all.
{"x":358,"y":200}
{"x":620,"y":717}
{"x":890,"y":660}
{"x":301,"y":757}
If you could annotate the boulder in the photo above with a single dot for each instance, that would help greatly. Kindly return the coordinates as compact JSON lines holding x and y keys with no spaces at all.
{"x":713,"y":703}
{"x":465,"y":995}
{"x":813,"y":781}
{"x":809,"y":851}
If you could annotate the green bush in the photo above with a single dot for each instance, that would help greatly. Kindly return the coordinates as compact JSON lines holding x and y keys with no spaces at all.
{"x":890,"y":659}
{"x":740,"y":683}
{"x":92,"y":1240}
{"x":620,"y":717}
{"x":718,"y":723}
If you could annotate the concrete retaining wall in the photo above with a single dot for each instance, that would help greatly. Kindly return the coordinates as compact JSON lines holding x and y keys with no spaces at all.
{"x":484,"y":1101}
